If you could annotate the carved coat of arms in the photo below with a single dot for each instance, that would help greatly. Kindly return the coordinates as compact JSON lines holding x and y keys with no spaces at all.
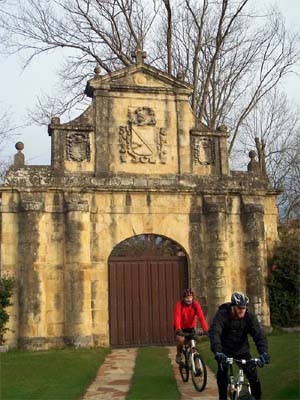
{"x":203,"y":150}
{"x":141,"y":141}
{"x":78,"y":146}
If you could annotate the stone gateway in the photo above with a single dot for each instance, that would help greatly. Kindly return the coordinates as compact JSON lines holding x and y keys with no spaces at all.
{"x":138,"y":203}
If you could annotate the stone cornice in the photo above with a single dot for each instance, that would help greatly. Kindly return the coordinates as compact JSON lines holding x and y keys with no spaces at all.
{"x":40,"y":179}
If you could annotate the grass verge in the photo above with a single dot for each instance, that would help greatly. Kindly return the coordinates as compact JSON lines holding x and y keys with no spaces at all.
{"x":153,"y":376}
{"x":48,"y":375}
{"x":280,"y":379}
{"x":65,"y":374}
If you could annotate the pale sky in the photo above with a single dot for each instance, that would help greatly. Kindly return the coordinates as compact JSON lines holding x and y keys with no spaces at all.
{"x":19,"y":90}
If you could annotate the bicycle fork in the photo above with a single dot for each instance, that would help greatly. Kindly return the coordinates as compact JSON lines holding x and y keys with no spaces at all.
{"x":192,"y":360}
{"x":231,"y":383}
{"x":235,"y":385}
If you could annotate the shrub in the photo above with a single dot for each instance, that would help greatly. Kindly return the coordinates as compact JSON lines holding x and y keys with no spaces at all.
{"x":284,"y":283}
{"x":6,"y":290}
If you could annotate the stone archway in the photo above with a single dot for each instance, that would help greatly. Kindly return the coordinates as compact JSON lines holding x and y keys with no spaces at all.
{"x":146,"y":276}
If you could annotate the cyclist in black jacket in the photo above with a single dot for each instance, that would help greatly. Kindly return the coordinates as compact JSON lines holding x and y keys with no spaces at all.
{"x":229,"y":338}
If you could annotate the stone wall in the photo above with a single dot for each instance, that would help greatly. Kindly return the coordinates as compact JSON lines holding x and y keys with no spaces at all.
{"x":136,"y":161}
{"x":57,"y":244}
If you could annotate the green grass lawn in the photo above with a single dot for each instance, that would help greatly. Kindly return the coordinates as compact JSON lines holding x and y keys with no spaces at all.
{"x":46,"y":375}
{"x":153,"y":376}
{"x":65,"y":374}
{"x":280,"y":379}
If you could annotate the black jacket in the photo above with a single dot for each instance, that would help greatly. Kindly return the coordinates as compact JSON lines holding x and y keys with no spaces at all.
{"x":230,"y":336}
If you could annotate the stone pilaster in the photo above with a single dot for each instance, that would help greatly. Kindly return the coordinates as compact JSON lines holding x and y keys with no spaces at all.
{"x":218,"y":279}
{"x":78,"y":328}
{"x":9,"y":260}
{"x":182,"y":134}
{"x":53,"y":247}
{"x":198,"y":256}
{"x":255,"y":253}
{"x":103,"y":112}
{"x":32,"y":289}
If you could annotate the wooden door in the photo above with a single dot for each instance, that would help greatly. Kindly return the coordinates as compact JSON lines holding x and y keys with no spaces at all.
{"x":142,"y":295}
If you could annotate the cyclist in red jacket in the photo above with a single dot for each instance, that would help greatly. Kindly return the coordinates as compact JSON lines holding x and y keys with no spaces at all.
{"x":185,"y":313}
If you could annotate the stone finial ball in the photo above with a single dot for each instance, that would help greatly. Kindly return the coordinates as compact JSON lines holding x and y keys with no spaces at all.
{"x":19,"y":145}
{"x":180,"y":75}
{"x":55,"y":120}
{"x":222,"y":128}
{"x":252,"y":154}
{"x":97,"y":69}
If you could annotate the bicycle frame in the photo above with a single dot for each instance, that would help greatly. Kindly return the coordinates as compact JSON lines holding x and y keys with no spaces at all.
{"x":189,"y":348}
{"x":237,"y":382}
{"x":193,"y":362}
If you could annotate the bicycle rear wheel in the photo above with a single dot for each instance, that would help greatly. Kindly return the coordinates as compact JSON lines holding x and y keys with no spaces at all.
{"x":184,"y":368}
{"x":199,"y":372}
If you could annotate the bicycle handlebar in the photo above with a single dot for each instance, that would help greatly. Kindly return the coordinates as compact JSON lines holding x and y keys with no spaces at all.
{"x":253,"y":361}
{"x":193,"y":335}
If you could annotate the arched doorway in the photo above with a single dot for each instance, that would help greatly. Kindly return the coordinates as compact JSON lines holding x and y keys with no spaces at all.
{"x":147,"y":274}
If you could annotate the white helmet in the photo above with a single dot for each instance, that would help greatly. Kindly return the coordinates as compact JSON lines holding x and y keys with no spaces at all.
{"x":239,"y":299}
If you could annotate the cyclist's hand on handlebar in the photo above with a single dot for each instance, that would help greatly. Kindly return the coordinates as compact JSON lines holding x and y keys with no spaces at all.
{"x":264,"y":358}
{"x":200,"y":332}
{"x":179,"y":332}
{"x":221,"y":358}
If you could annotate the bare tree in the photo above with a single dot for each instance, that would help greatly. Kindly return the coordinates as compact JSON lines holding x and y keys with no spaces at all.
{"x":169,"y":35}
{"x":232,"y":55}
{"x":7,"y":127}
{"x":276,"y":122}
{"x":8,"y":131}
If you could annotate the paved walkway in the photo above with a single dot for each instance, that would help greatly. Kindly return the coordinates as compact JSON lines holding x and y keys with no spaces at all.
{"x":187,"y":388}
{"x":114,"y":378}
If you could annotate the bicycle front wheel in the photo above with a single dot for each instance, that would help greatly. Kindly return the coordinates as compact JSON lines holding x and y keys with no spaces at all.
{"x":232,"y":395}
{"x":246,"y":396}
{"x":199,"y":372}
{"x":184,"y":368}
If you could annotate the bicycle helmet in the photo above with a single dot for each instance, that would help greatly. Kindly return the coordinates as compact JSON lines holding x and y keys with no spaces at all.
{"x":187,"y":292}
{"x":239,"y":299}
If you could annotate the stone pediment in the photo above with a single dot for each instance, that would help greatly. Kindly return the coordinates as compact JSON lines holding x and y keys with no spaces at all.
{"x":140,"y":77}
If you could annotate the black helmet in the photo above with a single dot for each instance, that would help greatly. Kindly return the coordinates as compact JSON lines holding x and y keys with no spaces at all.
{"x":239,"y":299}
{"x":187,"y":292}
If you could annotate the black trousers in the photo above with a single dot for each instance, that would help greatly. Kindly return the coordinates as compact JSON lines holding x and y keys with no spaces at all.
{"x":249,"y":370}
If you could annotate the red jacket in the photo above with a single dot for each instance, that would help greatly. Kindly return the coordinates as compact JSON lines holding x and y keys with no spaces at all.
{"x":185,"y":315}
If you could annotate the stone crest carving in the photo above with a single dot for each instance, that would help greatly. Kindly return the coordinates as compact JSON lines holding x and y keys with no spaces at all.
{"x":141,"y":141}
{"x":142,"y":116}
{"x":203,"y":150}
{"x":78,"y":146}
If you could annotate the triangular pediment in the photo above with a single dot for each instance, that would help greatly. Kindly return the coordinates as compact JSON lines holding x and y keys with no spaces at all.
{"x":137,"y":77}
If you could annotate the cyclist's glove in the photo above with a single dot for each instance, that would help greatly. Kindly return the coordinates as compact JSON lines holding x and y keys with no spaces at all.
{"x":264,"y":358}
{"x":179,"y":332}
{"x":221,"y":358}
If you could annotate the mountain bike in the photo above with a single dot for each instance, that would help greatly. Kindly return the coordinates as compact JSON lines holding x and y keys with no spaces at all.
{"x":238,"y":387}
{"x":193,"y":362}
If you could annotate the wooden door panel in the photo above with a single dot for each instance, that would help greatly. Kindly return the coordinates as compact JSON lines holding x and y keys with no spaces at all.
{"x":142,"y":295}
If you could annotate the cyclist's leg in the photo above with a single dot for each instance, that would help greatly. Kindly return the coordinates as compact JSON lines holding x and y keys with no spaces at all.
{"x":252,"y":376}
{"x":222,"y":380}
{"x":179,"y":347}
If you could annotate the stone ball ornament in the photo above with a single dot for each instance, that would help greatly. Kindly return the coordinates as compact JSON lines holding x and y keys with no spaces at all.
{"x":19,"y":146}
{"x":252,"y":154}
